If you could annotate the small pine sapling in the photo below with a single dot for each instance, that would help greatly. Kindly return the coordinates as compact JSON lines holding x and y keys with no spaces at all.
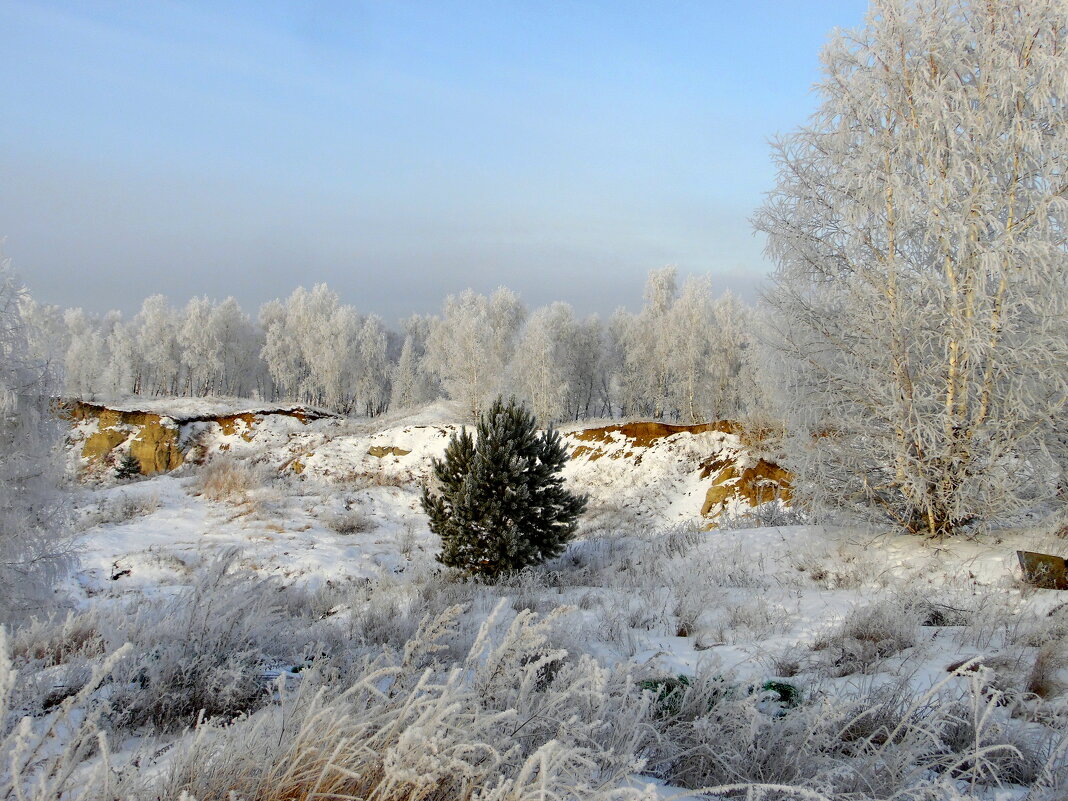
{"x":502,"y":505}
{"x":128,"y":467}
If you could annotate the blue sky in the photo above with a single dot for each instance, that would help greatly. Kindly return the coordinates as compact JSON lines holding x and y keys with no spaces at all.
{"x":396,"y":150}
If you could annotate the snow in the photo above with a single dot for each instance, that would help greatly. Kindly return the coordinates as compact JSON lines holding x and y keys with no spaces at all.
{"x":768,"y":589}
{"x":647,"y":582}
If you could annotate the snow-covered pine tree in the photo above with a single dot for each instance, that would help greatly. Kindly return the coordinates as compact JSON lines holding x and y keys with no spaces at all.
{"x":128,"y":467}
{"x":919,"y":228}
{"x":501,"y":505}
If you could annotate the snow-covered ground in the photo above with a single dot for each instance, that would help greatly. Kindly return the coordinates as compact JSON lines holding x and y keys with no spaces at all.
{"x":329,"y":512}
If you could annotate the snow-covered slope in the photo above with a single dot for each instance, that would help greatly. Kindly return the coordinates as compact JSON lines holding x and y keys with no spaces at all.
{"x":325,"y":513}
{"x":651,"y":471}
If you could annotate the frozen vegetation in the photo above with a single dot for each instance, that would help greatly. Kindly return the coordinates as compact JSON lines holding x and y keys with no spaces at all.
{"x":814,"y":594}
{"x":237,"y":627}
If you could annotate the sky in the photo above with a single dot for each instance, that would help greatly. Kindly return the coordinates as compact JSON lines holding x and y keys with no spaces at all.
{"x":398,"y":151}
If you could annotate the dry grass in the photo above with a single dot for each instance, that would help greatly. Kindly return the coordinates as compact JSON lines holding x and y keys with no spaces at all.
{"x":55,"y":641}
{"x":227,"y":479}
{"x":490,"y":728}
{"x":866,"y":637}
{"x":120,"y":508}
{"x":350,"y":521}
{"x":362,"y":479}
{"x":1042,"y":679}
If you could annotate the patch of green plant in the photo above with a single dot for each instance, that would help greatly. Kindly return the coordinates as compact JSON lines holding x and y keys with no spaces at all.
{"x":789,"y":694}
{"x":669,"y":692}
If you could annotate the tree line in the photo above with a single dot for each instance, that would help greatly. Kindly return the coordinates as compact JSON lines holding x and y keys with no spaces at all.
{"x":686,"y":355}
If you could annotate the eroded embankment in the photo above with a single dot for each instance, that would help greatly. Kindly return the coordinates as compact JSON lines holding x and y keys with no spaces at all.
{"x":158,"y":436}
{"x":683,"y":470}
{"x":656,"y":471}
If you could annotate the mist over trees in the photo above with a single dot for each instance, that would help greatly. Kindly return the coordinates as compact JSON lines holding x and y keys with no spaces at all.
{"x":682,"y":357}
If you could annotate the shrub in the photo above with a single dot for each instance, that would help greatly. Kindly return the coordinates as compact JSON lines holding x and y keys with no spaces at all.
{"x":225,"y":478}
{"x":120,"y":508}
{"x":55,"y":641}
{"x":350,"y":521}
{"x":866,"y":637}
{"x":502,"y":505}
{"x":494,"y":726}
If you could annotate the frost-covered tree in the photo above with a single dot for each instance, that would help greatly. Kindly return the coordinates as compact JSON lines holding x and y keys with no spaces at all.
{"x":322,"y":352}
{"x":646,"y":372}
{"x":308,"y":339}
{"x":411,"y":383}
{"x":758,"y":385}
{"x":239,"y":369}
{"x":157,"y":335}
{"x":918,"y":225}
{"x":372,"y":368}
{"x":690,"y":334}
{"x":587,"y":368}
{"x":34,"y":539}
{"x":732,"y":392}
{"x":541,"y":369}
{"x":471,"y":344}
{"x":200,"y":348}
{"x":122,"y":375}
{"x":501,"y":504}
{"x":281,"y":351}
{"x":618,"y":390}
{"x":405,"y":376}
{"x":46,"y":333}
{"x":86,"y":358}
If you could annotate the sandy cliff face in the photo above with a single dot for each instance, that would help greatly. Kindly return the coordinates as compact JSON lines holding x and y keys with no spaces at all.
{"x":158,"y":435}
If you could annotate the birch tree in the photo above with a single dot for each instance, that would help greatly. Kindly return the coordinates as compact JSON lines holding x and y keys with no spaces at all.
{"x":85,"y":359}
{"x":34,"y":531}
{"x":123,"y":372}
{"x":645,"y":373}
{"x":541,"y":368}
{"x":588,"y":367}
{"x":238,"y":362}
{"x":690,"y":334}
{"x":281,"y":350}
{"x":200,"y":348}
{"x":157,"y":325}
{"x":412,"y":384}
{"x":372,"y":368}
{"x":471,"y":344}
{"x":46,"y":333}
{"x":918,"y":226}
{"x":731,"y":390}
